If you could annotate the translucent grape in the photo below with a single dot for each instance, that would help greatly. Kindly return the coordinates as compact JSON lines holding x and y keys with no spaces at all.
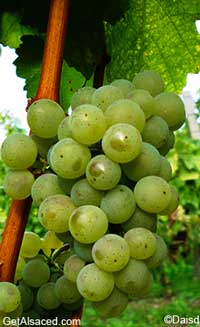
{"x":64,"y":129}
{"x":159,"y":255}
{"x":141,"y":218}
{"x":17,"y":313}
{"x":27,"y":296}
{"x":72,"y":267}
{"x":65,"y":237}
{"x":67,"y":184}
{"x":156,"y":131}
{"x":18,"y":183}
{"x":84,"y":251}
{"x":19,"y":268}
{"x":18,"y":151}
{"x":124,"y":85}
{"x":164,"y":149}
{"x":47,"y":298}
{"x":43,"y":145}
{"x":148,"y":162}
{"x":31,"y":245}
{"x":171,"y":108}
{"x":173,"y":203}
{"x":95,"y":284}
{"x":102,"y":173}
{"x":44,"y":117}
{"x":9,"y":297}
{"x":145,"y":100}
{"x":66,"y":291}
{"x":122,"y":143}
{"x":44,"y":186}
{"x":88,"y":124}
{"x":111,"y":253}
{"x":69,"y":159}
{"x":133,"y":278}
{"x":112,"y":306}
{"x":54,"y":213}
{"x":118,"y":204}
{"x":35,"y":273}
{"x":125,"y":111}
{"x":152,"y":194}
{"x":142,"y":243}
{"x":50,"y":242}
{"x":83,"y":193}
{"x":105,"y":95}
{"x":165,"y":169}
{"x":81,"y":96}
{"x":88,"y":223}
{"x":149,"y":80}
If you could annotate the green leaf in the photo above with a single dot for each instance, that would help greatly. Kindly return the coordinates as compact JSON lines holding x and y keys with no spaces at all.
{"x":159,"y":35}
{"x":11,"y":30}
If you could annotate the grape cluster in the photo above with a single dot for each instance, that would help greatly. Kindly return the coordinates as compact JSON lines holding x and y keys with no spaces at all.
{"x":102,"y":178}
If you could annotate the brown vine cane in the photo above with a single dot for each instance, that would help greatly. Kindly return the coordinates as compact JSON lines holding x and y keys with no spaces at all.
{"x":48,"y":88}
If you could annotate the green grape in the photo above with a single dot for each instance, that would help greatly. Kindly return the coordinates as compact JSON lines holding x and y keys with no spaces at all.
{"x":149,"y":80}
{"x":147,"y":287}
{"x":156,"y":131}
{"x":125,"y":111}
{"x":38,"y":309}
{"x":171,"y":108}
{"x":50,"y":242}
{"x":65,"y":237}
{"x":164,"y":149}
{"x":64,"y":129}
{"x":88,"y":124}
{"x":112,"y":306}
{"x":142,"y":243}
{"x":54,"y":276}
{"x":88,"y":223}
{"x":27,"y":296}
{"x":19,"y":268}
{"x":44,"y":186}
{"x":83,"y":193}
{"x":17,"y":184}
{"x":102,"y":173}
{"x":67,"y":184}
{"x":73,"y":306}
{"x":43,"y":145}
{"x":9,"y":297}
{"x":54,"y":213}
{"x":61,"y":257}
{"x":111,"y":253}
{"x":165,"y":169}
{"x":124,"y":85}
{"x":18,"y":151}
{"x":134,"y":278}
{"x":145,"y":101}
{"x":36,"y":273}
{"x":82,"y":96}
{"x":69,"y":159}
{"x":173,"y":203}
{"x":47,"y":298}
{"x":148,"y":162}
{"x":31,"y":245}
{"x":159,"y":255}
{"x":17,"y":313}
{"x":72,"y":267}
{"x":122,"y":143}
{"x":141,"y":218}
{"x":152,"y":194}
{"x":95,"y":284}
{"x":84,"y":251}
{"x":118,"y":204}
{"x":66,"y":291}
{"x":44,"y":117}
{"x":105,"y":95}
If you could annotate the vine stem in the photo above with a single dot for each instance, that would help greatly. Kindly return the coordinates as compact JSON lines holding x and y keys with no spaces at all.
{"x":48,"y":88}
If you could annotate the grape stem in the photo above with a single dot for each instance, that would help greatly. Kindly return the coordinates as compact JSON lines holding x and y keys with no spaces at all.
{"x":48,"y":88}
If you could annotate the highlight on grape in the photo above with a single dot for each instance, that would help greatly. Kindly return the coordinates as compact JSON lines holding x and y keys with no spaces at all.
{"x":98,"y":179}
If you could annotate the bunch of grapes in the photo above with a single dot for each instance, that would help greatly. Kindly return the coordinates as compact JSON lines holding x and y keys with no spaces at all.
{"x":99,"y":177}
